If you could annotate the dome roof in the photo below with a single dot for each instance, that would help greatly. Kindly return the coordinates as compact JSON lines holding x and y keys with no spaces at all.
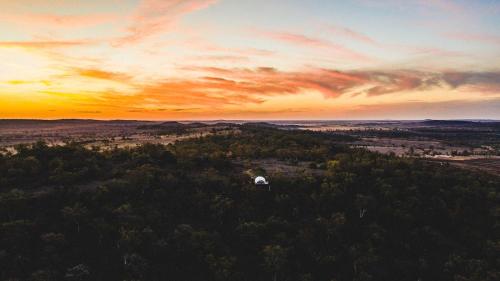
{"x":260,"y":180}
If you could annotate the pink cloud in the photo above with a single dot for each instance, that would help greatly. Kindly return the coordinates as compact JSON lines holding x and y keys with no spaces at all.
{"x":360,"y":37}
{"x":204,"y":45}
{"x":478,"y":37}
{"x":351,"y":34}
{"x":156,"y":16}
{"x":333,"y":83}
{"x":306,"y":41}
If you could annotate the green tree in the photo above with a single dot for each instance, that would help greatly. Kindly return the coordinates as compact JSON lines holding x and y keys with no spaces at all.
{"x":275,"y":258}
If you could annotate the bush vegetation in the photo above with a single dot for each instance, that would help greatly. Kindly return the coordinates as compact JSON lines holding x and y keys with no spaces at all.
{"x":188,"y":212}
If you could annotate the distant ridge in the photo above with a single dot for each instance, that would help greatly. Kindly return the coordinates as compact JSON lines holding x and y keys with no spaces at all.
{"x":69,"y":121}
{"x":266,"y":123}
{"x":448,"y":122}
{"x":461,"y":123}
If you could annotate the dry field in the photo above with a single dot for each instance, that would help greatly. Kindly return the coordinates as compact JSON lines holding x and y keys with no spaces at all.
{"x":428,"y":139}
{"x":402,"y":147}
{"x":120,"y":134}
{"x":102,"y":134}
{"x":278,"y":167}
{"x":490,"y":165}
{"x":56,"y":132}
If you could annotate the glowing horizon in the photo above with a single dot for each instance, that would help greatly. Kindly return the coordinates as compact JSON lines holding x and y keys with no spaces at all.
{"x":258,"y":60}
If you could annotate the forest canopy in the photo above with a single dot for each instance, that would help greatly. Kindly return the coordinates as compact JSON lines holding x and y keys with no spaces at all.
{"x":190,"y":211}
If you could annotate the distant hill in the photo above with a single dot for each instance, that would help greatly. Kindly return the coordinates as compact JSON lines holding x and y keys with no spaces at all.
{"x":460,"y":123}
{"x":173,"y":125}
{"x":67,"y":121}
{"x":270,"y":125}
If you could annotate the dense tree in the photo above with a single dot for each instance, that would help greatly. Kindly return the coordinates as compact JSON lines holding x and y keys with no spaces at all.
{"x":189,"y":211}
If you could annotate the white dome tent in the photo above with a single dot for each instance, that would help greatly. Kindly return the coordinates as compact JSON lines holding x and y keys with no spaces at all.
{"x":260,"y":181}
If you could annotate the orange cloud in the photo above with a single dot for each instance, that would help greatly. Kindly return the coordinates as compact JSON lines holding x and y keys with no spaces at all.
{"x":330,"y":83}
{"x":224,"y":89}
{"x":22,"y":82}
{"x":57,"y":21}
{"x":240,"y":91}
{"x":40,"y":44}
{"x":221,"y":86}
{"x":102,"y":74}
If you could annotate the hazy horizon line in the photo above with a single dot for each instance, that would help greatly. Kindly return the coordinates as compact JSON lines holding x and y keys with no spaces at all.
{"x":242,"y":120}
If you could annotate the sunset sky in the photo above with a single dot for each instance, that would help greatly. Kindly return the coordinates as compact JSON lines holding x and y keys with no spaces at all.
{"x":242,"y":59}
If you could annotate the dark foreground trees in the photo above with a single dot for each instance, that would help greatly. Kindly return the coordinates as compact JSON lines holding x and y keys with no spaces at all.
{"x":188,"y":212}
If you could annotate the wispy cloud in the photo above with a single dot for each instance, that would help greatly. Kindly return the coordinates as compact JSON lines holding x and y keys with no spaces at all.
{"x":102,"y":74}
{"x":306,"y":41}
{"x":446,"y":6}
{"x":333,"y":83}
{"x":474,"y":37}
{"x":169,"y":55}
{"x":28,"y":82}
{"x":452,"y":109}
{"x":442,"y":5}
{"x":471,"y":78}
{"x":351,"y":34}
{"x":156,"y":16}
{"x":57,"y":21}
{"x":41,"y":44}
{"x":221,"y":86}
{"x":354,"y":35}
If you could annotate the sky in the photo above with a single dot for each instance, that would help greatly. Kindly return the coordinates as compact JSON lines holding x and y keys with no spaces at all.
{"x":259,"y":59}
